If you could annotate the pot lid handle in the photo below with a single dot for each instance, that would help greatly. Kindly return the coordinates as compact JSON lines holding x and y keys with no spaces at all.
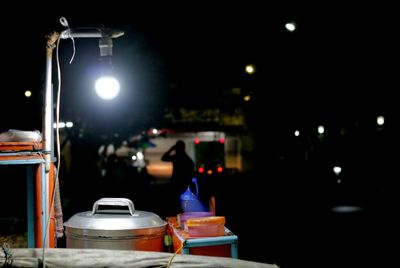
{"x":114,"y":202}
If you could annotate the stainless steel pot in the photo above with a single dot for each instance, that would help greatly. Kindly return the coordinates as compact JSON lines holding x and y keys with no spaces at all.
{"x":114,"y":228}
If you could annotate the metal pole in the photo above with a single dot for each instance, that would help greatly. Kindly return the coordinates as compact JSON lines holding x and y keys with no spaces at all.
{"x":48,"y":134}
{"x":91,"y":33}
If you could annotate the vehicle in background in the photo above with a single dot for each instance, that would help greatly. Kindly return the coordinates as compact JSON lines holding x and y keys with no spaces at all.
{"x":213,"y":152}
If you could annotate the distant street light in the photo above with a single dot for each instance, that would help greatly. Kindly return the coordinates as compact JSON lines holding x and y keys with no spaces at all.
{"x":250,"y":69}
{"x":380,"y":120}
{"x":321,"y":129}
{"x":247,"y":98}
{"x":290,"y":26}
{"x":337,"y":170}
{"x":28,"y":93}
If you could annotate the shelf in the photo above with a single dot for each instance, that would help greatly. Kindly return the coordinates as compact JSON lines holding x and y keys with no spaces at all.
{"x":38,"y":185}
{"x":20,"y":146}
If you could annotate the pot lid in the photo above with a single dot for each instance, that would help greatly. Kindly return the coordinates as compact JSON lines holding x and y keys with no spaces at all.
{"x":114,"y":219}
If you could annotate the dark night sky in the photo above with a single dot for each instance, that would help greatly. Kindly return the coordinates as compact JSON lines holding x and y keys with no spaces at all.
{"x":342,"y":59}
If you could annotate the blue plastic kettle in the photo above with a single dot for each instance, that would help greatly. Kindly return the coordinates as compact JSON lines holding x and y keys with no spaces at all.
{"x":190,"y":201}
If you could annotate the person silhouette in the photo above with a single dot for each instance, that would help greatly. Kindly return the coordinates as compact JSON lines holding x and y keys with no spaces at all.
{"x":182,"y":170}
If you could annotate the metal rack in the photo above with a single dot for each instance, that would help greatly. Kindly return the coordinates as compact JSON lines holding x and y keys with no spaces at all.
{"x":30,"y":155}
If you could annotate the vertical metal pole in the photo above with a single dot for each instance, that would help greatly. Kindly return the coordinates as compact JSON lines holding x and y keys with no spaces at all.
{"x":234,"y":250}
{"x":31,"y":206}
{"x":48,"y":134}
{"x":45,"y":207}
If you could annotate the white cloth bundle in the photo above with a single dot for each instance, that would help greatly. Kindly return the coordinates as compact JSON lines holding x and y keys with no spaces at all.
{"x":14,"y":135}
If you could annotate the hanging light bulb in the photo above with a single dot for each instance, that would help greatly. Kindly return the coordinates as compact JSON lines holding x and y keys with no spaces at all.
{"x":106,"y":86}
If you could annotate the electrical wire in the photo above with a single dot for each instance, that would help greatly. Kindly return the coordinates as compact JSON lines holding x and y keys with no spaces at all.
{"x":176,"y":252}
{"x":58,"y":151}
{"x":64,"y":23}
{"x":73,"y":51}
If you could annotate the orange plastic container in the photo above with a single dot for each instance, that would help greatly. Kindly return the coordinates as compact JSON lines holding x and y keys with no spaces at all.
{"x":209,"y":246}
{"x":183,"y":217}
{"x":205,"y":226}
